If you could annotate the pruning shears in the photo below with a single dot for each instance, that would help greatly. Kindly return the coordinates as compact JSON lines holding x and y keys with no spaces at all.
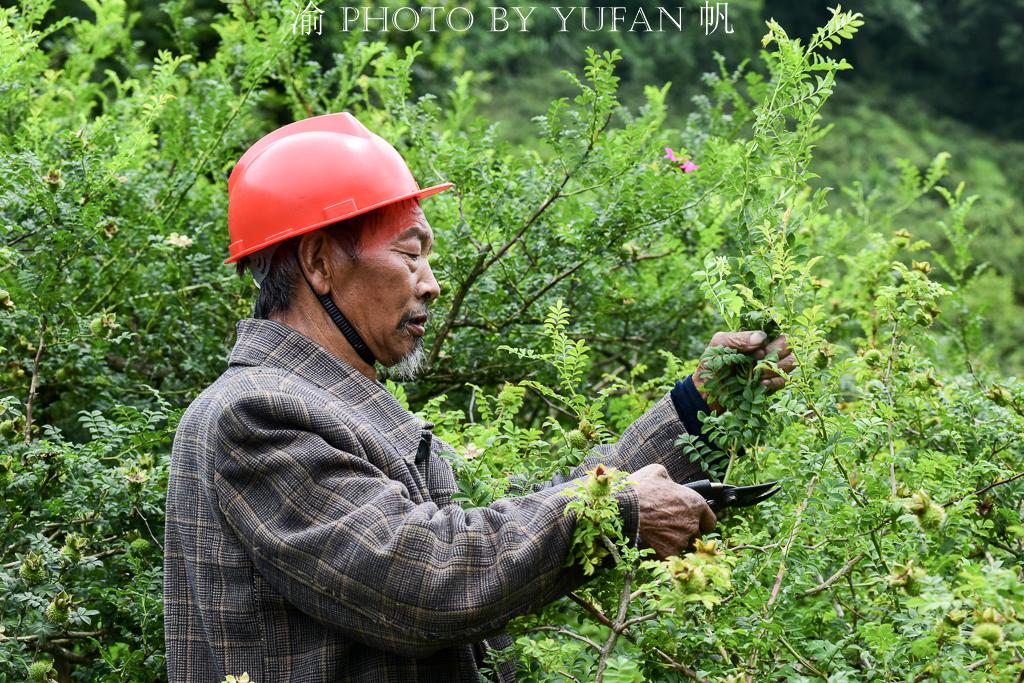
{"x":721,"y":496}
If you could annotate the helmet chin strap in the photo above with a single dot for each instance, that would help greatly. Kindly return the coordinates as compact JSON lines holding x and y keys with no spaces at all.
{"x":343,"y":324}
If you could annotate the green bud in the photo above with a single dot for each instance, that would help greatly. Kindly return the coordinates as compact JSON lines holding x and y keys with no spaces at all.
{"x":908,"y":577}
{"x":687,"y":577}
{"x":72,"y":549}
{"x":32,"y":569}
{"x":925,"y":381}
{"x":929,"y":514}
{"x":824,"y":357}
{"x":956,"y":616}
{"x":989,"y":614}
{"x":922,"y":267}
{"x":873,"y":358}
{"x":707,"y":550}
{"x":999,"y":395}
{"x":136,"y":480}
{"x":139,"y":546}
{"x":40,"y":671}
{"x":599,"y":482}
{"x":989,"y":632}
{"x":577,"y":440}
{"x":59,"y":609}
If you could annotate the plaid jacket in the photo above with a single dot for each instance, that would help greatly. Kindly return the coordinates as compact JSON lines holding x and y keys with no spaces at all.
{"x":306,"y":540}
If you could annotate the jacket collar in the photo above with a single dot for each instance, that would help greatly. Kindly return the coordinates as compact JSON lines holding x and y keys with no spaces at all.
{"x":269,"y":343}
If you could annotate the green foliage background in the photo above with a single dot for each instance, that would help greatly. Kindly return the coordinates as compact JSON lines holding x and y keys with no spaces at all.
{"x":895,"y":550}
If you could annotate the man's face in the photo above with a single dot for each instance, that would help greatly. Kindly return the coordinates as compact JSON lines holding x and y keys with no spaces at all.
{"x":386,"y":289}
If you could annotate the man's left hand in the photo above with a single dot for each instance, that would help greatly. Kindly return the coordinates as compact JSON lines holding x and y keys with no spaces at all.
{"x":756,"y":345}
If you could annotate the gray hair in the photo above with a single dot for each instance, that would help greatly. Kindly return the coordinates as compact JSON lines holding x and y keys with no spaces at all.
{"x":280,"y":274}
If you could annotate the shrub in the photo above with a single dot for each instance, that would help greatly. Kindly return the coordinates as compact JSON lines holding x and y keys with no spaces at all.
{"x":895,"y":548}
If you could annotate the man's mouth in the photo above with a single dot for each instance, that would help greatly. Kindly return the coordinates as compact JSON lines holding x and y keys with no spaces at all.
{"x":417,"y":325}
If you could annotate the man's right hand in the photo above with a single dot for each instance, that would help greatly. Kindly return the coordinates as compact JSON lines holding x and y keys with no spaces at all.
{"x":671,"y":515}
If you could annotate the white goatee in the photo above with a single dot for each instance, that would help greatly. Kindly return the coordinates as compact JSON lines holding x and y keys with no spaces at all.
{"x":408,"y":366}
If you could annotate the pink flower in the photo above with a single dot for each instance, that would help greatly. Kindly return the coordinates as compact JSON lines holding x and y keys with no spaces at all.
{"x":685,"y":165}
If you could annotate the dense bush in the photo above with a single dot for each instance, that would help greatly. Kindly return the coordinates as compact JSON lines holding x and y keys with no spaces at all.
{"x":895,"y":548}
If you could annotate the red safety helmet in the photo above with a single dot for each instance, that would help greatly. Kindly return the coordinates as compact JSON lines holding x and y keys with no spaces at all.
{"x":309,"y":174}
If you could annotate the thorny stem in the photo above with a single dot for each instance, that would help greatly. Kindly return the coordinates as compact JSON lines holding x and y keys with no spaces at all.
{"x":460,"y":295}
{"x":34,"y":384}
{"x":777,"y":587}
{"x":892,"y":408}
{"x":151,"y":534}
{"x":803,"y":660}
{"x":97,"y":556}
{"x":985,"y":489}
{"x":827,"y":583}
{"x":60,"y":638}
{"x":566,"y":632}
{"x":789,"y":543}
{"x":620,"y":619}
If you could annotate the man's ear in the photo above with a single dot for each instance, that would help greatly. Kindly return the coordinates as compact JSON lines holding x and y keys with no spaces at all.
{"x":317,"y":254}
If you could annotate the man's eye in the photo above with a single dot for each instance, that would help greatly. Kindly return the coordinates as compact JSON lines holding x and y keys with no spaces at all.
{"x":411,"y":255}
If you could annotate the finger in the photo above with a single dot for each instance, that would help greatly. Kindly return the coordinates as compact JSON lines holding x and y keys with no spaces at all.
{"x":773,"y":384}
{"x":788,"y":363}
{"x":785,"y":365}
{"x":741,"y":341}
{"x":707,"y":520}
{"x":778,"y":345}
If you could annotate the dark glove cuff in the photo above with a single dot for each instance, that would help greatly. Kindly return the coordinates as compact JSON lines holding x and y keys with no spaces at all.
{"x":689,"y":404}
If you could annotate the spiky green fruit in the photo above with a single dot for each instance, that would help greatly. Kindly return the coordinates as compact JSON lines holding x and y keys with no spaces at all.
{"x":989,"y":632}
{"x":577,"y":440}
{"x":40,"y":671}
{"x":686,"y":576}
{"x":599,"y":482}
{"x":32,"y":569}
{"x":139,"y":545}
{"x":929,"y":514}
{"x":59,"y":609}
{"x":72,"y":548}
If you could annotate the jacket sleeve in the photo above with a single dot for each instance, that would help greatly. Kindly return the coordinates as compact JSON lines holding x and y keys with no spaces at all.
{"x":345,"y":544}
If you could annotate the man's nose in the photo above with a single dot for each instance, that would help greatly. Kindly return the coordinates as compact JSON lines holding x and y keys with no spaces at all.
{"x":427,"y":287}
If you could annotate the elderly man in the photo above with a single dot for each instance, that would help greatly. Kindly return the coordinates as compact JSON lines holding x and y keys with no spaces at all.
{"x":311,"y":533}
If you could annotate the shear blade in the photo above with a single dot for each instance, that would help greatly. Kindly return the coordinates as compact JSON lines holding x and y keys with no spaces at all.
{"x":752,"y":495}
